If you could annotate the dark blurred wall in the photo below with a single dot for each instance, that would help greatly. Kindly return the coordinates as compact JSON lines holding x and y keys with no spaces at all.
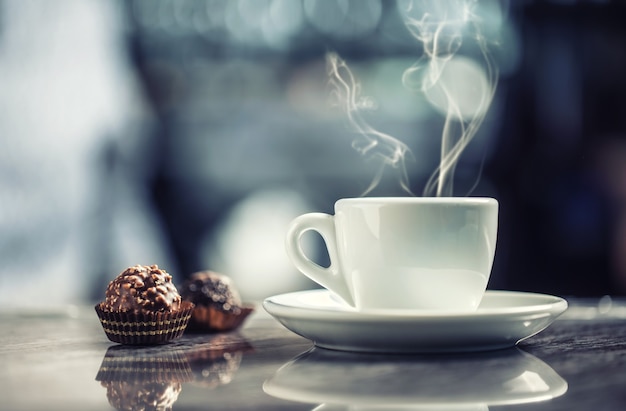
{"x":560,"y":175}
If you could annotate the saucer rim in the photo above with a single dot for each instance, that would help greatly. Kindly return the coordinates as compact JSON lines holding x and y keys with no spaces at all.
{"x":549,"y":303}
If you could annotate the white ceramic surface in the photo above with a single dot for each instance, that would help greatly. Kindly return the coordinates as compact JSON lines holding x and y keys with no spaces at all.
{"x":403,"y":253}
{"x":502,"y":320}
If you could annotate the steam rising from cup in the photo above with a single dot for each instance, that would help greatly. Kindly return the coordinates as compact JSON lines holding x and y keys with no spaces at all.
{"x":346,"y":94}
{"x":459,"y":87}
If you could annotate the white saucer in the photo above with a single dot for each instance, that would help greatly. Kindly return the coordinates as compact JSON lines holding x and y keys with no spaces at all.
{"x":503,"y":319}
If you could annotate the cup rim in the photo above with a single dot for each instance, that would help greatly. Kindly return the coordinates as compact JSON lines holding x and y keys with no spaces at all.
{"x":419,"y":200}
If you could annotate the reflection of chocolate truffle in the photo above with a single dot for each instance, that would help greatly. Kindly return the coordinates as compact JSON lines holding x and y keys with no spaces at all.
{"x":217,"y":370}
{"x":144,"y":364}
{"x":142,"y":306}
{"x":133,"y":396}
{"x":216,"y":362}
{"x":217,"y":302}
{"x":142,"y":289}
{"x":143,"y":378}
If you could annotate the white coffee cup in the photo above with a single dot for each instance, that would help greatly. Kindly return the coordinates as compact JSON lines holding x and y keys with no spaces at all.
{"x":403,"y":253}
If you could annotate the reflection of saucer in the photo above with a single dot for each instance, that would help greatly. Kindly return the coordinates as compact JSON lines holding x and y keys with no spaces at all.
{"x":374,"y":381}
{"x":503,"y":319}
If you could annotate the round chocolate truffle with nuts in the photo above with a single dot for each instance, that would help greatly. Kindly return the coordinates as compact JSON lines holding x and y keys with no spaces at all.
{"x":218,"y":306}
{"x":142,"y":289}
{"x":142,"y":306}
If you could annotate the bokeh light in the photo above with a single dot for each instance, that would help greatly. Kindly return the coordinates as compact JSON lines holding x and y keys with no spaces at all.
{"x":462,"y":90}
{"x":344,"y":19}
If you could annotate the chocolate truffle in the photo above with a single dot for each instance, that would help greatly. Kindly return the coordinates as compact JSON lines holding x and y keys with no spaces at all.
{"x":142,"y":306}
{"x":218,"y":306}
{"x":142,"y":289}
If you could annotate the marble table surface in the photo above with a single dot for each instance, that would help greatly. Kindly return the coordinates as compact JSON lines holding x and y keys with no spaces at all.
{"x":61,"y":360}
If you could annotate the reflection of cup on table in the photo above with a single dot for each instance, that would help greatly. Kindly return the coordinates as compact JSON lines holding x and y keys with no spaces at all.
{"x":403,"y":253}
{"x":346,"y":381}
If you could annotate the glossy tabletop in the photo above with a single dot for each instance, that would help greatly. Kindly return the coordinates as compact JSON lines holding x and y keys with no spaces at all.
{"x":61,"y":360}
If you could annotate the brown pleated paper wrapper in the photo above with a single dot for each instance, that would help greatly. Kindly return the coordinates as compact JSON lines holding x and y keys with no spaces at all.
{"x":145,"y":328}
{"x":211,"y":319}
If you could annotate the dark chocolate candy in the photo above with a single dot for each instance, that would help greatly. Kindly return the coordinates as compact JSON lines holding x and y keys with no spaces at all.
{"x":210,"y":289}
{"x":142,"y":289}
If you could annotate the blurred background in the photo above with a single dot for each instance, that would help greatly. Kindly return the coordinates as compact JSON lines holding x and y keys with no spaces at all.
{"x":188,"y":133}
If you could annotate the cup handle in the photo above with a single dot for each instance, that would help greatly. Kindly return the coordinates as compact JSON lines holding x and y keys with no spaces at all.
{"x":330,"y":277}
